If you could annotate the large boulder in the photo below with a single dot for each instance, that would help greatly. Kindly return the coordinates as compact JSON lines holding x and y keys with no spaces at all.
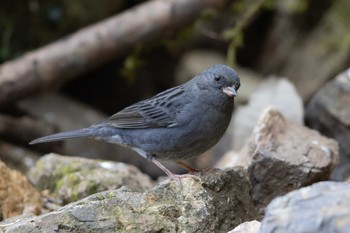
{"x":217,"y":202}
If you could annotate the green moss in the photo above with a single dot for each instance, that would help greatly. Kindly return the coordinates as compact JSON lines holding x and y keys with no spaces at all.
{"x":92,"y":187}
{"x":68,"y":181}
{"x":336,"y":39}
{"x":297,"y":6}
{"x":132,"y":63}
{"x":111,"y":195}
{"x":337,"y":21}
{"x":64,"y":170}
{"x":243,"y":11}
{"x":176,"y":42}
{"x":100,"y":196}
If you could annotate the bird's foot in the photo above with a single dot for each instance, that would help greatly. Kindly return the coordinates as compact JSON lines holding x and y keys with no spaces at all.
{"x":173,"y":176}
{"x":192,"y":170}
{"x":188,"y":167}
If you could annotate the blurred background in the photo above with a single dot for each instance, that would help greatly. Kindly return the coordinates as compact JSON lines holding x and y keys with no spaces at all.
{"x":67,"y":64}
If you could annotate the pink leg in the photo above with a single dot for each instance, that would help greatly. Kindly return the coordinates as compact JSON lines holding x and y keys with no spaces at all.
{"x":170,"y":174}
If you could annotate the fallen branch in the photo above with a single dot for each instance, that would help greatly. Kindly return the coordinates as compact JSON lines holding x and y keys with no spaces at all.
{"x":23,"y":129}
{"x":91,"y":46}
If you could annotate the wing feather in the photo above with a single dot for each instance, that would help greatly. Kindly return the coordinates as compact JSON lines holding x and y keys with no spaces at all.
{"x":151,"y":113}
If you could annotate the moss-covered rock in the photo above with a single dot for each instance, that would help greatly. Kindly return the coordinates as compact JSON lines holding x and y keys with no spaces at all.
{"x":72,"y":178}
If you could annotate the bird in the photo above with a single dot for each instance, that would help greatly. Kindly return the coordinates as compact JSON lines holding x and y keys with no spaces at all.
{"x":177,"y":124}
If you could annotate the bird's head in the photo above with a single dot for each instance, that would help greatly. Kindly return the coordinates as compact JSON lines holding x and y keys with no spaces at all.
{"x":220,"y":77}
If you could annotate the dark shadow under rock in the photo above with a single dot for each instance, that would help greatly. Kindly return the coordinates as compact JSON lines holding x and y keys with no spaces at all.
{"x":217,"y":203}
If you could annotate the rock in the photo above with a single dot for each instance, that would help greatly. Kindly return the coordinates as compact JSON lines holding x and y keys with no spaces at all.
{"x":250,"y":83}
{"x":247,"y":227}
{"x":72,"y":178}
{"x":279,"y":93}
{"x":17,"y":195}
{"x":217,"y":203}
{"x":18,"y":158}
{"x":66,"y":114}
{"x":329,"y":112}
{"x":323,"y":208}
{"x":230,"y":159}
{"x":282,"y":156}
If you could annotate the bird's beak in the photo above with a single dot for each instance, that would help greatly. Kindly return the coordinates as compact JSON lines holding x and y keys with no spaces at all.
{"x":230,"y":91}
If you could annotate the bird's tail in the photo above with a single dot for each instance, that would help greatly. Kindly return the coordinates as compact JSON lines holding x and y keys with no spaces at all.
{"x":80,"y":133}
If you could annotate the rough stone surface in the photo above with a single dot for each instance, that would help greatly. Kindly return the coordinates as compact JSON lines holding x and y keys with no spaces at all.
{"x":217,"y":203}
{"x":247,"y":227}
{"x":17,"y":157}
{"x":17,"y":195}
{"x":230,"y":159}
{"x":279,"y":93}
{"x":329,"y":113}
{"x":282,"y":156}
{"x":320,"y":208}
{"x":73,"y":178}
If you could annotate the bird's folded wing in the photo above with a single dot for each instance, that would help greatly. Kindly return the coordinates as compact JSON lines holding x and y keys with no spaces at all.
{"x":159,"y":111}
{"x":140,"y":115}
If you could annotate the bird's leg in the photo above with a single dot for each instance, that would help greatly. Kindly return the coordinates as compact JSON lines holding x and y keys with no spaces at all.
{"x":187,"y":167}
{"x":150,"y":157}
{"x":170,"y":174}
{"x":164,"y":169}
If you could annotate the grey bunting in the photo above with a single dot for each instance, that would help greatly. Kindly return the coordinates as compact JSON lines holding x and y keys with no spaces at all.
{"x":177,"y":124}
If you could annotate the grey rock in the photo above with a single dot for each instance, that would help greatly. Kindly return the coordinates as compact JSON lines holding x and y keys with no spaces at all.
{"x":217,"y":203}
{"x":247,"y":227}
{"x":282,"y":156}
{"x":69,"y":179}
{"x":16,"y":157}
{"x":279,"y":93}
{"x":320,"y":208}
{"x":230,"y":159}
{"x":250,"y":83}
{"x":329,"y":112}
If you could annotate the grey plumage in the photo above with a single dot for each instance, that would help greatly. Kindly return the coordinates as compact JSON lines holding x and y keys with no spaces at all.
{"x":177,"y":124}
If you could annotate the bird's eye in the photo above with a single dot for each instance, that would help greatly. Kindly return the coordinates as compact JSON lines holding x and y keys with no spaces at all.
{"x":238,"y":86}
{"x":217,"y":77}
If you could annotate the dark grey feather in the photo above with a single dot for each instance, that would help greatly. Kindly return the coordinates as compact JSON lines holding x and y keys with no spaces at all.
{"x":152,"y":113}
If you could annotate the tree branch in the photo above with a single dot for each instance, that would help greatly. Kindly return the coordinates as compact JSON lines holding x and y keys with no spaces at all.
{"x":91,"y":46}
